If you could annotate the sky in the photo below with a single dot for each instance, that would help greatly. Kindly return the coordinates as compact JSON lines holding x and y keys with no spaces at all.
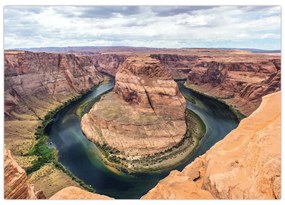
{"x":143,"y":26}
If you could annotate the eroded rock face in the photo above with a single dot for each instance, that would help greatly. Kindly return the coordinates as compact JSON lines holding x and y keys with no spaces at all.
{"x":16,"y":182}
{"x":241,"y":84}
{"x":215,"y":74}
{"x":255,"y":91}
{"x":178,"y":65}
{"x":77,"y":193}
{"x":246,"y":164}
{"x":36,"y":75}
{"x":36,"y":83}
{"x":146,"y":83}
{"x":108,"y":63}
{"x":145,"y":114}
{"x":238,"y":77}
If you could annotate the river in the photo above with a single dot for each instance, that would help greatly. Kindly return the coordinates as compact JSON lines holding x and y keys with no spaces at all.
{"x":80,"y":156}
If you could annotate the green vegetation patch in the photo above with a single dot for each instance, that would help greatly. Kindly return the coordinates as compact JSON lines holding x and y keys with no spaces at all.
{"x":46,"y":154}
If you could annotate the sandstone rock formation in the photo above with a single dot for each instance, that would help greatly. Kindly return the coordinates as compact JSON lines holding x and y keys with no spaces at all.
{"x":241,"y":84}
{"x":145,"y":114}
{"x":178,"y":65}
{"x":177,"y":186}
{"x":108,"y":63}
{"x":36,"y":83}
{"x":147,"y":84}
{"x":16,"y":184}
{"x":240,"y":70}
{"x":255,"y":91}
{"x":240,"y":78}
{"x":30,"y":76}
{"x":77,"y":193}
{"x":246,"y":164}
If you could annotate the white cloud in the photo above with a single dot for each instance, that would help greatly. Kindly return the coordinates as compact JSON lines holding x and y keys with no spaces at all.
{"x":269,"y":35}
{"x":140,"y":26}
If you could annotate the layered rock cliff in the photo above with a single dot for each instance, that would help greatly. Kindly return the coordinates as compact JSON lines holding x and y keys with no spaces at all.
{"x":36,"y":83}
{"x":34,"y":76}
{"x":146,"y":83}
{"x":108,"y":63}
{"x":178,"y":65}
{"x":239,"y":84}
{"x":144,"y":115}
{"x":246,"y":164}
{"x":239,"y":78}
{"x":16,"y":184}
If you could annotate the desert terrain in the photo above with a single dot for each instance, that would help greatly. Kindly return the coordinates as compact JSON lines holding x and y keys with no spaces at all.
{"x":40,"y":83}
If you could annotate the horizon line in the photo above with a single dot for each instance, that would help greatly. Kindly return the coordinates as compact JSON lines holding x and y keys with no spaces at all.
{"x":242,"y":48}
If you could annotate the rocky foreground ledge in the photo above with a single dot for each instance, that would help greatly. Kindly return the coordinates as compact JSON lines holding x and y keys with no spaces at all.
{"x":246,"y":164}
{"x":143,"y":116}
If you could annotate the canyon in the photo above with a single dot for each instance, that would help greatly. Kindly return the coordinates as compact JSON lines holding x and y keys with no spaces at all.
{"x":244,"y":165}
{"x":37,"y":83}
{"x":238,"y":77}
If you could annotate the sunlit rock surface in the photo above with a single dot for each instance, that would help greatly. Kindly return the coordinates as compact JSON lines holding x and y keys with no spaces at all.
{"x":246,"y":164}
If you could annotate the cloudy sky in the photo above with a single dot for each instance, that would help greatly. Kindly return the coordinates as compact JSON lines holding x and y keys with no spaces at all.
{"x":147,"y":26}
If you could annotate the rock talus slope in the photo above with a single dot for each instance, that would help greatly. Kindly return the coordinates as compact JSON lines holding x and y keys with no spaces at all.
{"x":145,"y":114}
{"x":244,"y":165}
